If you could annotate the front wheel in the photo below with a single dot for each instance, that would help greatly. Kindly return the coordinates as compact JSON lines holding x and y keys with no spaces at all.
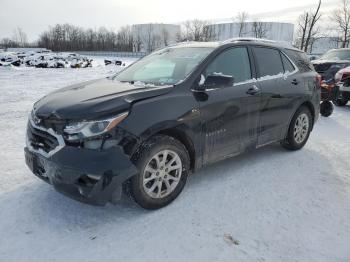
{"x":299,"y":129}
{"x":163,"y":162}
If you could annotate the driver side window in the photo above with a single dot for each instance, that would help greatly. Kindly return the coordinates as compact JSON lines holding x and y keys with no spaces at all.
{"x":233,"y":62}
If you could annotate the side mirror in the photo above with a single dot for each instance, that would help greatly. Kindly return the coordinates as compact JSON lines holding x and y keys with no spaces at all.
{"x":218,"y":81}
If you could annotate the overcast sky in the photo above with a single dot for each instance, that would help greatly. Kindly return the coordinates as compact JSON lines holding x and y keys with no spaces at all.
{"x":34,"y":16}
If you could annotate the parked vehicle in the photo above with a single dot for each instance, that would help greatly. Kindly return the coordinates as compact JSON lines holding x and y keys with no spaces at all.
{"x":9,"y":59}
{"x":313,"y":57}
{"x":113,"y":62}
{"x":328,"y":66}
{"x":342,"y":81}
{"x":44,"y":59}
{"x":174,"y":111}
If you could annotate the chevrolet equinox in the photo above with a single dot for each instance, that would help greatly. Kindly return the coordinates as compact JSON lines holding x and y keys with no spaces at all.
{"x":145,"y":129}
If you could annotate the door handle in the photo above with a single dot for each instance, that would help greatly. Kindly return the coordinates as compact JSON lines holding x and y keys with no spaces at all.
{"x":253,"y":90}
{"x":295,"y":82}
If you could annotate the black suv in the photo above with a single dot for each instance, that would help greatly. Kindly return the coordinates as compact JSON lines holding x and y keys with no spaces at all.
{"x":174,"y":111}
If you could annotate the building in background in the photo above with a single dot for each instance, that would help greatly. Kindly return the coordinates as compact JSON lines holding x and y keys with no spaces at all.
{"x":149,"y":37}
{"x":282,"y":32}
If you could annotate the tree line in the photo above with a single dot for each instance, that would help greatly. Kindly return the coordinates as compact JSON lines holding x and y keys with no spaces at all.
{"x":67,"y":37}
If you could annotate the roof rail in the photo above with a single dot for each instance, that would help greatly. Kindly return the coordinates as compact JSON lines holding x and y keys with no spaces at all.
{"x":247,"y":39}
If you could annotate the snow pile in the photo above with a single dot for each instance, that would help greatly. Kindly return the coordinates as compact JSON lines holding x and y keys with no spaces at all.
{"x":267,"y":205}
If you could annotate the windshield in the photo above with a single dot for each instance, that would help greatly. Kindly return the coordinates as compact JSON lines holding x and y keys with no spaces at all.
{"x":337,"y":55}
{"x":165,"y":67}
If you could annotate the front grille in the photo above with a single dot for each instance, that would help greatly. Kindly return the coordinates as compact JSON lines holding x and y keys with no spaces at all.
{"x":40,"y":139}
{"x":47,"y":123}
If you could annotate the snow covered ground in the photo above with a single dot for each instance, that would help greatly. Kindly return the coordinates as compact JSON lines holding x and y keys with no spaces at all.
{"x":267,"y":205}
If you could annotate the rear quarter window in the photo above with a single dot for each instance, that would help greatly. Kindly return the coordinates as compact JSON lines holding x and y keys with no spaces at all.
{"x":300,"y":59}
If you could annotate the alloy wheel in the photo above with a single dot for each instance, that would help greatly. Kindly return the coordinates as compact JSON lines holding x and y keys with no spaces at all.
{"x":301,"y":128}
{"x":162,"y":174}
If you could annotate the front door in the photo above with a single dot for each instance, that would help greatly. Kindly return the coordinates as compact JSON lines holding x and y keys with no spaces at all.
{"x":230,"y":115}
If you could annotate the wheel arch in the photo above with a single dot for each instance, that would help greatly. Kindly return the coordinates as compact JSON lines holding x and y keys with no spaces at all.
{"x":306,"y":104}
{"x":311,"y":107}
{"x":185,"y":140}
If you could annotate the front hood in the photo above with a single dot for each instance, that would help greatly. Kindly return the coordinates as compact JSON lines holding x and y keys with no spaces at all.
{"x":324,"y":61}
{"x":93,"y":99}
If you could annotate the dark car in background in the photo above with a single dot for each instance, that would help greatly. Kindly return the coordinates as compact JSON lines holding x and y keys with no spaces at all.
{"x":176,"y":110}
{"x":335,"y":87}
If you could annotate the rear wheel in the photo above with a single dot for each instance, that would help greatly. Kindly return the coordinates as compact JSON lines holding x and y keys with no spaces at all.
{"x":164,"y":165}
{"x":299,"y":129}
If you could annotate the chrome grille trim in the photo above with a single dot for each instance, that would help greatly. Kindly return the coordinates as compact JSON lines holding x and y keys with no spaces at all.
{"x":50,"y":131}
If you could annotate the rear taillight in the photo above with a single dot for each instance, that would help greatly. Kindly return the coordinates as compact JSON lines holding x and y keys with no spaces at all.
{"x":318,"y":80}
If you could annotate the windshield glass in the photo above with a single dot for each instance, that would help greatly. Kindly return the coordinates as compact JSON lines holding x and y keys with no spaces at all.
{"x":337,"y":55}
{"x":165,"y":67}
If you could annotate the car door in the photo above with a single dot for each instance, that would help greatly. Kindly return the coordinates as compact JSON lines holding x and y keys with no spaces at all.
{"x":276,"y":82}
{"x":230,"y":115}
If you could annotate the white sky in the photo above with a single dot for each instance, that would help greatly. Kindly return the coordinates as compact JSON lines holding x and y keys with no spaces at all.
{"x":34,"y":16}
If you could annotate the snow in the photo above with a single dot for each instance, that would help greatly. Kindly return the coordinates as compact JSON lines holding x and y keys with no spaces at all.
{"x":266,"y":205}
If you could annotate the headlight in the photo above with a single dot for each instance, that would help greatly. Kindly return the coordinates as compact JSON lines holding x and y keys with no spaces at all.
{"x":338,"y":76}
{"x":85,"y":129}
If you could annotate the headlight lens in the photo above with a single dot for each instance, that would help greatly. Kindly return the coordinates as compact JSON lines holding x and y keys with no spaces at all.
{"x":85,"y":129}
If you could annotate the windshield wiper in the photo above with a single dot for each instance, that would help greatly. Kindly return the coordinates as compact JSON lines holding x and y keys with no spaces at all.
{"x":139,"y":83}
{"x":142,"y":84}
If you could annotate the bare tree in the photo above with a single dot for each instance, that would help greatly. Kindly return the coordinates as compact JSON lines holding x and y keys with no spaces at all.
{"x":165,"y":37}
{"x":137,"y":41}
{"x":196,"y":30}
{"x":307,"y":29}
{"x":7,"y":42}
{"x":312,"y":32}
{"x":125,"y":39}
{"x":241,"y":19}
{"x":20,"y":37}
{"x":208,"y":33}
{"x":259,"y":29}
{"x":149,"y":38}
{"x":302,"y":28}
{"x":341,"y":17}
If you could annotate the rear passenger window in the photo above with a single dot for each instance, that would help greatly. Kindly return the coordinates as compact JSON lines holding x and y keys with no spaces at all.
{"x":288,"y":66}
{"x":233,"y":62}
{"x":269,"y":61}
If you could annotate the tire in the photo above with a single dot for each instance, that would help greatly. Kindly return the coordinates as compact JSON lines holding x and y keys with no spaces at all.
{"x":339,"y":100}
{"x":326,"y":108}
{"x":166,"y":185}
{"x":299,"y":129}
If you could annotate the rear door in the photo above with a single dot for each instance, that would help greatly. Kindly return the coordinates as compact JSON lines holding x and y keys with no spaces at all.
{"x":230,"y":115}
{"x":276,"y":78}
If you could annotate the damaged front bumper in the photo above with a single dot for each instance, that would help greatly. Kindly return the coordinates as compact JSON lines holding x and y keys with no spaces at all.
{"x":88,"y":175}
{"x":344,"y":88}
